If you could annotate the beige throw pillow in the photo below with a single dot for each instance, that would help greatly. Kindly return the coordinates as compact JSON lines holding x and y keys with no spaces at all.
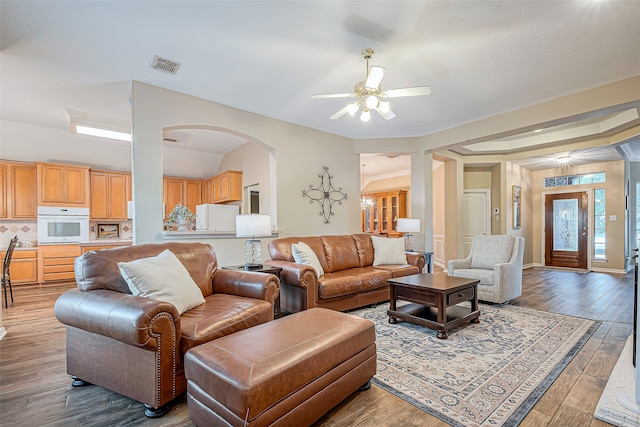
{"x":388,"y":251}
{"x":303,"y":254}
{"x":162,"y":277}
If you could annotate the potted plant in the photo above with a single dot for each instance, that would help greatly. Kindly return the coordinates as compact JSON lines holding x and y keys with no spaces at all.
{"x":181,"y":215}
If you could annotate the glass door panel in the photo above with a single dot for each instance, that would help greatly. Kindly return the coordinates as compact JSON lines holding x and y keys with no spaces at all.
{"x":565,"y":225}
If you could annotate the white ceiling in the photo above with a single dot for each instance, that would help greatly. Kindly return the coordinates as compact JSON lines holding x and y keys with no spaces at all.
{"x":481,"y":58}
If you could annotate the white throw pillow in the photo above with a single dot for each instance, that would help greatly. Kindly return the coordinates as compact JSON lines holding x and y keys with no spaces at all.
{"x":162,"y":277}
{"x":388,"y":251}
{"x":303,"y":254}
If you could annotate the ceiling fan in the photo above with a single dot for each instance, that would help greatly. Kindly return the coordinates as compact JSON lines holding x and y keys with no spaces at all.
{"x":370,"y":96}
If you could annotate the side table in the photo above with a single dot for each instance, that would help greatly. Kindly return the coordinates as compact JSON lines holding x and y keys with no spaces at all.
{"x":263,"y":269}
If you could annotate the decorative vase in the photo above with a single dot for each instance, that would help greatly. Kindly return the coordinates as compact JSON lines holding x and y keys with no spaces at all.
{"x":182,"y":224}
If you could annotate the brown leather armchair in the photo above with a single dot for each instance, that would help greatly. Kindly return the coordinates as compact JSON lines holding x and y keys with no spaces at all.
{"x":135,"y":345}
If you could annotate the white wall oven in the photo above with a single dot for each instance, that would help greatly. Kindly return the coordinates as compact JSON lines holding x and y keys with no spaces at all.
{"x":62,"y":225}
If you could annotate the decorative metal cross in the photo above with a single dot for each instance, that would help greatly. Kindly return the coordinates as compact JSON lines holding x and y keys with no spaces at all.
{"x":325,"y":195}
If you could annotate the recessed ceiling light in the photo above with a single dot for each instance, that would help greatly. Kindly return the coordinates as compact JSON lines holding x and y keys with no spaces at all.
{"x":563,"y":160}
{"x":82,"y":123}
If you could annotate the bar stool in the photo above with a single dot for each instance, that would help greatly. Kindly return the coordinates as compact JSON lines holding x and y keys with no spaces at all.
{"x":6,"y":278}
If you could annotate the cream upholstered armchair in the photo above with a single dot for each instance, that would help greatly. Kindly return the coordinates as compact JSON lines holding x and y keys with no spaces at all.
{"x":497,"y":262}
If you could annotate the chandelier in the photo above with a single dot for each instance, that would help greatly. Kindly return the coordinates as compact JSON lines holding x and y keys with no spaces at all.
{"x":366,"y":202}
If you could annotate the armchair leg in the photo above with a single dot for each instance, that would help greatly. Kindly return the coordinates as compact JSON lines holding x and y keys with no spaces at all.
{"x":77,"y":382}
{"x":365,"y":386}
{"x":152,"y":412}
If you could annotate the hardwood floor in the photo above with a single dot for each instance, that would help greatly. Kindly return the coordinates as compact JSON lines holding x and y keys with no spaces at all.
{"x":36,"y":391}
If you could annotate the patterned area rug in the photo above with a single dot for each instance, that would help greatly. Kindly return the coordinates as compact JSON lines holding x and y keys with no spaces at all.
{"x":485,"y":374}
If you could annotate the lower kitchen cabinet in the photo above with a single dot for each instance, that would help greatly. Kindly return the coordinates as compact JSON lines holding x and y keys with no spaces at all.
{"x":24,"y":266}
{"x":55,"y":262}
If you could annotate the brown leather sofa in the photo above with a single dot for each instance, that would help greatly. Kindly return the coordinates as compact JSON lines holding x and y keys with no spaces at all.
{"x":350,"y":279}
{"x":135,"y":345}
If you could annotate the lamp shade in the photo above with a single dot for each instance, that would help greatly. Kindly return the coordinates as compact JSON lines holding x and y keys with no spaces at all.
{"x":408,"y":225}
{"x":253,"y":225}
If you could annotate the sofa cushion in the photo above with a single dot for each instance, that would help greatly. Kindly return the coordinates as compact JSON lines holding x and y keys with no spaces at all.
{"x":340,"y":253}
{"x":220,"y":315}
{"x":162,"y":277}
{"x":303,"y":254}
{"x":491,"y":250}
{"x":364,"y":246}
{"x":351,"y":281}
{"x":99,"y":269}
{"x":388,"y":251}
{"x":399,"y":270}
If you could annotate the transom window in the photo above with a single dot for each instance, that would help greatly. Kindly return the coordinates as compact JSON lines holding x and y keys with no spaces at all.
{"x":586,"y":178}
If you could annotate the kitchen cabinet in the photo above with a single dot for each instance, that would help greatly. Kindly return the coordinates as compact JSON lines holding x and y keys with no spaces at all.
{"x":62,"y":185}
{"x":382,"y":217}
{"x":185,"y":191}
{"x":224,"y":187}
{"x":109,"y":192}
{"x":55,"y":262}
{"x":18,"y":190}
{"x":23,"y":266}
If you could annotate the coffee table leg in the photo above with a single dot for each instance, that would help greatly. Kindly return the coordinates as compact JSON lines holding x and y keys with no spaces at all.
{"x":442,"y":334}
{"x":474,"y":304}
{"x":392,"y":303}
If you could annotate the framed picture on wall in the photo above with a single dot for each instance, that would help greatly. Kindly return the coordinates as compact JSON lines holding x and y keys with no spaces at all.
{"x":108,"y":231}
{"x":516,"y":194}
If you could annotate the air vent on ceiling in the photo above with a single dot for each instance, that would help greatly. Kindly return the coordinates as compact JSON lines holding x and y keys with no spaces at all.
{"x":165,"y":65}
{"x":169,"y":140}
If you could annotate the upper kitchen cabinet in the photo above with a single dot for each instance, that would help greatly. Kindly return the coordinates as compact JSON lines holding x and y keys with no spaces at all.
{"x":186,"y":191}
{"x":223,"y":188}
{"x":110,"y":192}
{"x":63,"y":185}
{"x":17,"y":190}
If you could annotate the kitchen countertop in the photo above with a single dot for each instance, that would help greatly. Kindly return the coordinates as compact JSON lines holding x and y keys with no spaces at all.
{"x":106,"y":242}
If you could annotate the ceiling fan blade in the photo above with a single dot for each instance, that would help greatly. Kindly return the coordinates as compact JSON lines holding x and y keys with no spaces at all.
{"x":340,"y":113}
{"x":387,"y":115}
{"x":408,"y":91}
{"x":332,"y":95}
{"x":375,"y":77}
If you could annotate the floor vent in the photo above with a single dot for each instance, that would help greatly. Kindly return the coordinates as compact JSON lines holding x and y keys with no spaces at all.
{"x":165,"y":65}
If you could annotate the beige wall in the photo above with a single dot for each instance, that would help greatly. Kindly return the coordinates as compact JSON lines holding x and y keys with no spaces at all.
{"x":615,"y":205}
{"x":254,"y":161}
{"x":299,"y":156}
{"x":477,"y":179}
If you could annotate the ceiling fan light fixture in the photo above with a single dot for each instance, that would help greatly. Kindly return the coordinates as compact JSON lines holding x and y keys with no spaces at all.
{"x":365,"y":116}
{"x":371,"y":102}
{"x":352,"y":108}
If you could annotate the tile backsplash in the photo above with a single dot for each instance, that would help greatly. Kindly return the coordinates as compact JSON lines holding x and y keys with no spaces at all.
{"x":25,"y":230}
{"x":28,"y":230}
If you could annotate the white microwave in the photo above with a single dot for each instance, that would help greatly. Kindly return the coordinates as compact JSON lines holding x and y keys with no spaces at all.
{"x":62,"y":225}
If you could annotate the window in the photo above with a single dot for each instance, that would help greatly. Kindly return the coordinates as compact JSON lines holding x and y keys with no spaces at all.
{"x":599,"y":222}
{"x":587,"y":178}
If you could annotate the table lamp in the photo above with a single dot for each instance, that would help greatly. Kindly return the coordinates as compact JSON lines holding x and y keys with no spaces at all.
{"x":408,"y":226}
{"x":253,"y":225}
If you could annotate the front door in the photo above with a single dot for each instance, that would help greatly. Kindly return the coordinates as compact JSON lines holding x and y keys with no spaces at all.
{"x":566,"y":230}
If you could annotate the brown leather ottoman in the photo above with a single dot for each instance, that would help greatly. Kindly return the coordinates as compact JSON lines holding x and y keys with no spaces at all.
{"x":288,"y":372}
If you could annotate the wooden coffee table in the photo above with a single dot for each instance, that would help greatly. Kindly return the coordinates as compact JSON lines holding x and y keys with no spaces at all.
{"x":434,"y":298}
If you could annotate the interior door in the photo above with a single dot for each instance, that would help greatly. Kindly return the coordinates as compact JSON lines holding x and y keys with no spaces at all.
{"x":566,"y":230}
{"x":477,"y":211}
